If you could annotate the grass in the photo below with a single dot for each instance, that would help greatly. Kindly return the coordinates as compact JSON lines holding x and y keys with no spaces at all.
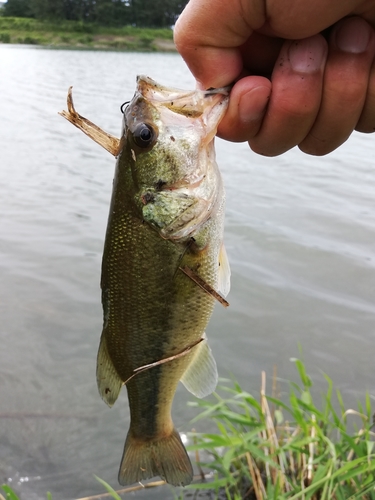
{"x":75,"y":34}
{"x":11,"y":495}
{"x":266,"y":449}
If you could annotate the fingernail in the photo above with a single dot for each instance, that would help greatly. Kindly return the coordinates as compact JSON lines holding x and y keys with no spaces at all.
{"x":252,"y":105}
{"x":353,"y":35}
{"x":308,"y":55}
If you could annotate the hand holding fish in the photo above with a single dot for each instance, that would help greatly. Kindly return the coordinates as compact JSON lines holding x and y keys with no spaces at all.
{"x":316,"y":69}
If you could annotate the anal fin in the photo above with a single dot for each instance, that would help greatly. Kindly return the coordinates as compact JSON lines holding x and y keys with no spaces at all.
{"x":200,"y":377}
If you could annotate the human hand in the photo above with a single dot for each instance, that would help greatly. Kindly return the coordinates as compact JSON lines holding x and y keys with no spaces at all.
{"x":314,"y":88}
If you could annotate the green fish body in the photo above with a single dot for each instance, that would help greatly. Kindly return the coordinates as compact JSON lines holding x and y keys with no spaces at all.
{"x":166,"y":214}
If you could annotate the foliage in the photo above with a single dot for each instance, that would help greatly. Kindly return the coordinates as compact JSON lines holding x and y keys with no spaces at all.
{"x":141,"y":13}
{"x":109,"y":488}
{"x":17,"y":8}
{"x":292,"y":451}
{"x":4,"y":38}
{"x":11,"y":495}
{"x":79,"y":34}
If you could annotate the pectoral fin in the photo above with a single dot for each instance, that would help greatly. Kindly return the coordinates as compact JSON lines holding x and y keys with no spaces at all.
{"x":224,"y":272}
{"x":200,"y":378}
{"x":108,"y":380}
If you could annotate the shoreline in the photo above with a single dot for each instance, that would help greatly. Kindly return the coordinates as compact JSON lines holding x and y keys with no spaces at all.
{"x":77,"y":35}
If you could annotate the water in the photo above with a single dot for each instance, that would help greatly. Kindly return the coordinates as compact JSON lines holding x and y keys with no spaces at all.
{"x":300,"y":235}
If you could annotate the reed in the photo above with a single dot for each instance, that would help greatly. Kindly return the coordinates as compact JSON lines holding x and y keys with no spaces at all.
{"x":267,"y":449}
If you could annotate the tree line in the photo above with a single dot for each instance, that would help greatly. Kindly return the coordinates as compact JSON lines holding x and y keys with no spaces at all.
{"x":141,"y":13}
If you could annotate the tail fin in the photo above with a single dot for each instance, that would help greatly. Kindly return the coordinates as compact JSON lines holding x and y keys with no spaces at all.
{"x":164,"y":457}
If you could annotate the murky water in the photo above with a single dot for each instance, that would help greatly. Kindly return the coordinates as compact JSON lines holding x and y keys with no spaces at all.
{"x":300,"y":234}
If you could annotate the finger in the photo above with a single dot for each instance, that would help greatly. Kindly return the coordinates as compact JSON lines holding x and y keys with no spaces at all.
{"x":208,"y":36}
{"x":301,"y":19}
{"x":351,"y":52}
{"x":366,"y":122}
{"x":259,"y":54}
{"x":208,"y":33}
{"x":247,"y":105}
{"x":296,"y":93}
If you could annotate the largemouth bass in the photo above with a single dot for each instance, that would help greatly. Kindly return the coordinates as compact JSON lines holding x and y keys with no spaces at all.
{"x":163,"y":263}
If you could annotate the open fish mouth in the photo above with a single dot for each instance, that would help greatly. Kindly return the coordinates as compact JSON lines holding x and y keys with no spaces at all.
{"x":154,"y":91}
{"x":209,"y":104}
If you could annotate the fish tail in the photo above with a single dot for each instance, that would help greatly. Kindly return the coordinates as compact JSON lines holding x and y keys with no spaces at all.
{"x":165,"y":457}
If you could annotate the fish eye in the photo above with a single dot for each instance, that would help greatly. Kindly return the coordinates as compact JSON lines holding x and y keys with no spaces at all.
{"x":144,"y":135}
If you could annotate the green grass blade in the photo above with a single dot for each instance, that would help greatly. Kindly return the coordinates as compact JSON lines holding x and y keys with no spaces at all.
{"x":10,"y":494}
{"x":109,"y":488}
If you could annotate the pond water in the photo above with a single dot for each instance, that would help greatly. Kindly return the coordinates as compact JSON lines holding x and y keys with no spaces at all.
{"x":300,"y":235}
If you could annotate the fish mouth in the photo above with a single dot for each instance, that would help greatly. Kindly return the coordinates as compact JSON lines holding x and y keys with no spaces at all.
{"x":210,"y":105}
{"x":150,"y":89}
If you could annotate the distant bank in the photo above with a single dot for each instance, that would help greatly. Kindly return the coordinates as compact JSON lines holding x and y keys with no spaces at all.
{"x":75,"y":34}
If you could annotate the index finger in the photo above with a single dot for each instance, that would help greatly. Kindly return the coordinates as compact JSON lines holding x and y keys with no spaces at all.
{"x":208,"y":36}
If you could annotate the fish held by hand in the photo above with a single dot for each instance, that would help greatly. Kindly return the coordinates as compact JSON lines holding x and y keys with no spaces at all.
{"x":163,"y":260}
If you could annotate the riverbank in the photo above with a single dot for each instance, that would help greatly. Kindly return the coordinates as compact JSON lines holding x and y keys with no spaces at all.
{"x":78,"y":35}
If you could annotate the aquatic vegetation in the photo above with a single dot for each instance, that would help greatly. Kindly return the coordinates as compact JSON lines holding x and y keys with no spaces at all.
{"x":268,"y":449}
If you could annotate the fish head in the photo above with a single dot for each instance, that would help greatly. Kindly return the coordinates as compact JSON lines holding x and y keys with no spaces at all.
{"x":168,"y":140}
